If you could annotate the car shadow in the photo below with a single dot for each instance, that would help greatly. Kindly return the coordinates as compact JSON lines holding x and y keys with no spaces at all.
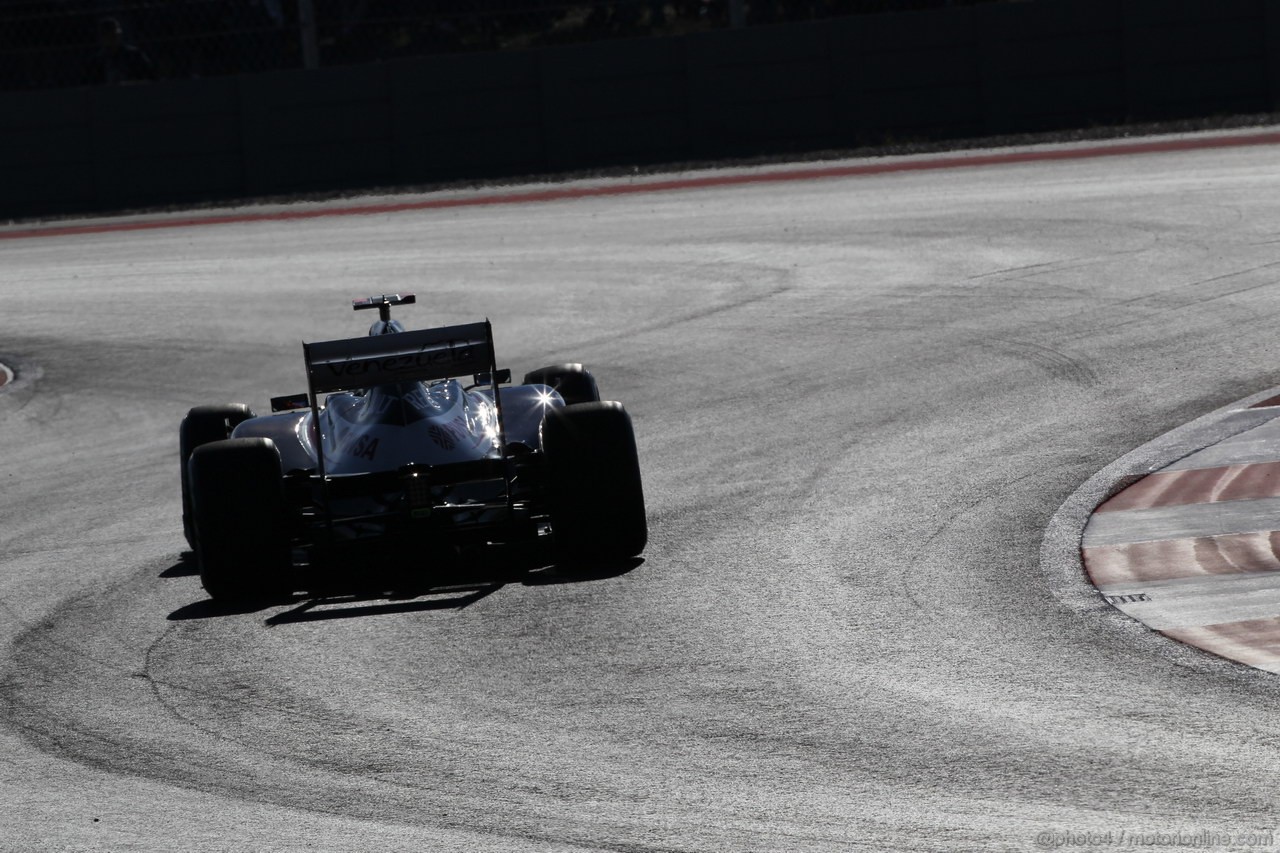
{"x":185,"y":567}
{"x":209,"y":609}
{"x":456,"y":593}
{"x":347,"y":607}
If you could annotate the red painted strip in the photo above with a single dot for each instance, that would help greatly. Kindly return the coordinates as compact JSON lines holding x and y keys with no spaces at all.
{"x":1201,"y":485}
{"x":1140,"y":562}
{"x":569,"y":193}
{"x":1267,"y":403}
{"x":1255,"y":642}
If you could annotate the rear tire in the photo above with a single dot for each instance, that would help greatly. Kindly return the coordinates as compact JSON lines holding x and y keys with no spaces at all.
{"x":239,"y":518}
{"x":573,"y":381}
{"x":202,"y":425}
{"x":594,"y":488}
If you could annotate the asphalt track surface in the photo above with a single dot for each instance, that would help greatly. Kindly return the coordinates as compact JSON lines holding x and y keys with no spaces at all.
{"x":872,"y":411}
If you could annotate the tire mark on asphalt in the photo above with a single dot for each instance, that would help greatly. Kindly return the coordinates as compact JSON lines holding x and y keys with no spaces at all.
{"x":782,"y":284}
{"x":1058,"y":364}
{"x":1182,"y":296}
{"x":993,"y":495}
{"x":45,"y":708}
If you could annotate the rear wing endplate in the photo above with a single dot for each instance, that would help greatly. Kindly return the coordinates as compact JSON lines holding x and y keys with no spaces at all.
{"x":420,"y":355}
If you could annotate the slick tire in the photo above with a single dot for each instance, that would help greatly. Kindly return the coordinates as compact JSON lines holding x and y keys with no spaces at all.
{"x":574,"y":382}
{"x":202,"y":425}
{"x":593,"y":485}
{"x":238,"y":512}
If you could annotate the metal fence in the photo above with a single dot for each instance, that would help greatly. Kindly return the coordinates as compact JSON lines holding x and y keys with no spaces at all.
{"x":59,"y":43}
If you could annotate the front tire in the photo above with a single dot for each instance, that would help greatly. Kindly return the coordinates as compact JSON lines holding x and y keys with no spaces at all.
{"x":238,"y":509}
{"x":593,"y":484}
{"x":573,"y":382}
{"x":202,"y":425}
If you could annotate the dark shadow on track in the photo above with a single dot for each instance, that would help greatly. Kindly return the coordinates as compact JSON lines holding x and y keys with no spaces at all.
{"x":185,"y":567}
{"x":404,"y":597}
{"x":210,"y":609}
{"x":355,"y":606}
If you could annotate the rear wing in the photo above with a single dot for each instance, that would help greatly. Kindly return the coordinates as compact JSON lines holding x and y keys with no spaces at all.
{"x":420,"y":356}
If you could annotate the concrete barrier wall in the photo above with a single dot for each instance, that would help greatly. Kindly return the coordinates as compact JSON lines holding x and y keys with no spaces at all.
{"x":961,"y":72}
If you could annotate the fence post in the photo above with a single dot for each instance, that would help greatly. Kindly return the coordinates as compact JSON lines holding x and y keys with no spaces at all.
{"x":307,"y":30}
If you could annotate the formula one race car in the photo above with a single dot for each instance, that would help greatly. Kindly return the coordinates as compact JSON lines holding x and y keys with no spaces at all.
{"x":403,"y":456}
